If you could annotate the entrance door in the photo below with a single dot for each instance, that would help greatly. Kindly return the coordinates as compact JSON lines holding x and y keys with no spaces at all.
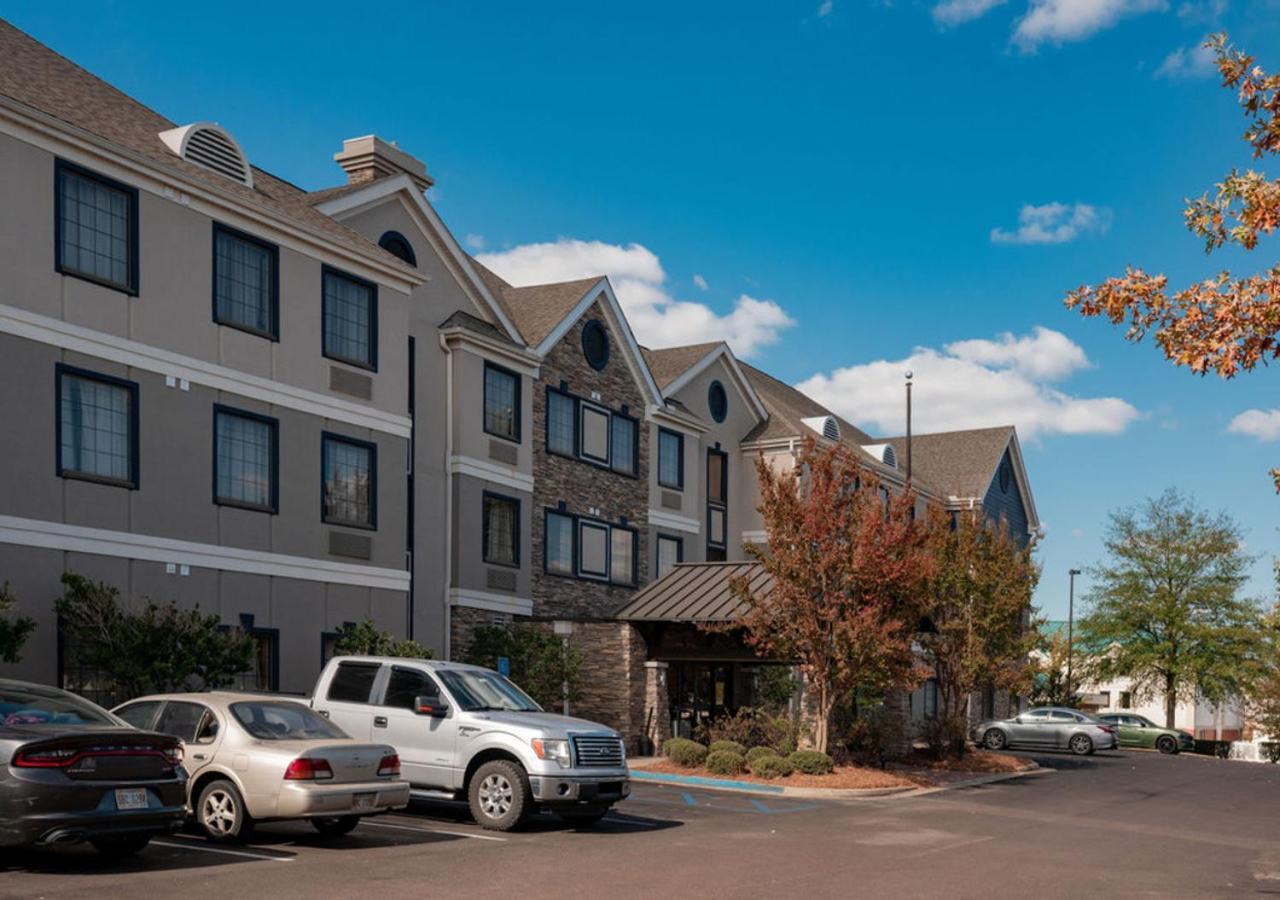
{"x":699,"y":692}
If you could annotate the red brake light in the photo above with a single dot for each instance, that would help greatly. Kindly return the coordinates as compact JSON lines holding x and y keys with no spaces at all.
{"x":53,"y":758}
{"x":389,"y":766}
{"x":305,"y":768}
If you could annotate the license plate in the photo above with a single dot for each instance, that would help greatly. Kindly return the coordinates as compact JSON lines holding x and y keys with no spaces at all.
{"x":363,"y":802}
{"x":131,"y":798}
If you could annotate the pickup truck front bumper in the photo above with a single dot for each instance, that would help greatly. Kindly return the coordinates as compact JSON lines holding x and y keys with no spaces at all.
{"x":596,"y":788}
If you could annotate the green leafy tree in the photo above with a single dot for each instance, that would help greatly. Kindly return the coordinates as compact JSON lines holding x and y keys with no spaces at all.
{"x":1165,"y":609}
{"x":1264,"y":695}
{"x":13,"y":631}
{"x":150,"y":647}
{"x":1049,"y":684}
{"x":979,"y":605}
{"x":365,"y":639}
{"x":544,"y":665}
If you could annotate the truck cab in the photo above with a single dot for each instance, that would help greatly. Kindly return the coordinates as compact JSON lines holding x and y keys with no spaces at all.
{"x":466,"y":732}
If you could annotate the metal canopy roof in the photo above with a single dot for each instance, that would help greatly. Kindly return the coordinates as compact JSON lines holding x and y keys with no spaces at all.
{"x":696,"y":592}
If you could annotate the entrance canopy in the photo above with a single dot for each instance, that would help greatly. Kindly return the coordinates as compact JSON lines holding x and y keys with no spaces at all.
{"x":696,"y":592}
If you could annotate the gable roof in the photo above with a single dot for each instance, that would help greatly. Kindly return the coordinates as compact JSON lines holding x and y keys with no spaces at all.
{"x":36,"y":77}
{"x":684,"y":364}
{"x":537,"y":309}
{"x":959,"y":463}
{"x":669,"y":363}
{"x":696,"y":592}
{"x":788,"y":408}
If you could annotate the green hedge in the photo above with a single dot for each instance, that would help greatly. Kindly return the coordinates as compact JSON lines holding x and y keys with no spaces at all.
{"x":756,"y":752}
{"x":684,"y":752}
{"x":811,"y":762}
{"x":726,"y":762}
{"x":771,"y":767}
{"x":729,"y":746}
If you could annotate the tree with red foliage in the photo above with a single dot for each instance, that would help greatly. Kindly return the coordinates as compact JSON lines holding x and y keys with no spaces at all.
{"x":847,"y":560}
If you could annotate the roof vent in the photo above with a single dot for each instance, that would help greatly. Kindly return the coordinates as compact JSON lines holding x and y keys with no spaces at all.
{"x":827,"y":426}
{"x":210,"y":146}
{"x":883,"y":453}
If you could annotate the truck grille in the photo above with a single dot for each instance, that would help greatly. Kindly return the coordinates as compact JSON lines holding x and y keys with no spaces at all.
{"x":598,"y":752}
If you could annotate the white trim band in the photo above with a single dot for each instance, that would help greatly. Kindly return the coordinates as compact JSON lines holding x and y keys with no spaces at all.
{"x":55,"y":332}
{"x":503,"y":475}
{"x":755,"y":537}
{"x":503,"y":603}
{"x":674,"y":522}
{"x":126,"y":545}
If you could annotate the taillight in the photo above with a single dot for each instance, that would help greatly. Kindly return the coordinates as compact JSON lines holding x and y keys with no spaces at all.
{"x":174,"y":754}
{"x":1109,"y":729}
{"x":53,"y":758}
{"x":389,"y":766}
{"x":304,"y":768}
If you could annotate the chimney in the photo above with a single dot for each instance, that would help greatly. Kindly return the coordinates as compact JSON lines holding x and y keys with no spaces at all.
{"x":368,"y":158}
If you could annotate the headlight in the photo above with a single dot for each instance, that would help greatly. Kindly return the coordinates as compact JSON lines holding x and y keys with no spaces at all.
{"x":557,"y":750}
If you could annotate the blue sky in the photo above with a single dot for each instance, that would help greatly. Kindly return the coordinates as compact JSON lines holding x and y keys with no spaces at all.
{"x":837,"y":187}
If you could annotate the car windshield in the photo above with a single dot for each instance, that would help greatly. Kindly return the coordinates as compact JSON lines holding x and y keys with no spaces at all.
{"x":276,"y":721}
{"x":22,"y":705}
{"x":477,"y":690}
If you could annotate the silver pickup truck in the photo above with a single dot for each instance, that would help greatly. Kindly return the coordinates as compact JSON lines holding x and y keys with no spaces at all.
{"x":468,"y":732}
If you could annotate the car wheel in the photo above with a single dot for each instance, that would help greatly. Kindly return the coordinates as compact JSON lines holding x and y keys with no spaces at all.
{"x":335,"y":826}
{"x":995,"y":739}
{"x":1167,"y":745}
{"x":221,"y":814}
{"x":499,"y":795}
{"x":579,"y":818}
{"x":119,"y":845}
{"x":1081,"y":744}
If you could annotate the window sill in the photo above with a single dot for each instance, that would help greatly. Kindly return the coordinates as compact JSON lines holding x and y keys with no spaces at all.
{"x":130,"y":290}
{"x":595,"y":464}
{"x":511,"y":440}
{"x":354,"y":363}
{"x":249,"y":507}
{"x":274,"y":337}
{"x":72,"y":475}
{"x":505,"y":565}
{"x":342,"y":524}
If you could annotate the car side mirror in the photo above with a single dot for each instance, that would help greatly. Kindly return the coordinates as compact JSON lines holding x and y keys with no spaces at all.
{"x":435,"y":707}
{"x":1018,"y":719}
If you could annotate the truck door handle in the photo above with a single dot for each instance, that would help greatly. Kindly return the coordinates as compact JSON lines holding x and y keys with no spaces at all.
{"x":199,"y":756}
{"x":379,"y":721}
{"x":323,"y":712}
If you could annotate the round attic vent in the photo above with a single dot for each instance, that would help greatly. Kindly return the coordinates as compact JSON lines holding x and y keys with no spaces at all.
{"x":210,"y":146}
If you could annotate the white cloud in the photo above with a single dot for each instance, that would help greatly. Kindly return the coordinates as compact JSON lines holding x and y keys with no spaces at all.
{"x":699,"y":282}
{"x":1188,"y":62}
{"x":1060,"y":21}
{"x":956,"y":12}
{"x":1077,"y":532}
{"x":974,"y":384}
{"x":1207,"y":12}
{"x":1054,"y":223}
{"x":657,"y":318}
{"x":1263,"y":424}
{"x":474,"y":241}
{"x":825,"y":8}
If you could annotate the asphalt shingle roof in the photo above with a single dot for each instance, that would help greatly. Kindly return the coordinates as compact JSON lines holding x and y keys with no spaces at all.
{"x":959,"y":463}
{"x":666,"y":364}
{"x":537,"y":309}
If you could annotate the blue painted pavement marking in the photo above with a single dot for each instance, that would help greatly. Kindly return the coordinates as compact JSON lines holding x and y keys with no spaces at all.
{"x":688,"y":798}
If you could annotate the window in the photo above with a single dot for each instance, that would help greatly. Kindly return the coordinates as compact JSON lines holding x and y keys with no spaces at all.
{"x":501,"y":402}
{"x":263,"y":671}
{"x":96,"y":228}
{"x":183,"y":721}
{"x":595,"y":344}
{"x":717,"y":503}
{"x":406,"y":685}
{"x":561,"y":413}
{"x":352,"y":683}
{"x":350,"y":319}
{"x":1126,"y":700}
{"x":245,"y":460}
{"x":622,"y":444}
{"x":284,"y":720}
{"x":139,"y":715}
{"x":717,"y":401}
{"x":1005,"y":477}
{"x":97,"y":427}
{"x":501,"y":538}
{"x":559,"y":544}
{"x":717,"y":476}
{"x":397,"y":244}
{"x":595,"y":434}
{"x":593,"y":553}
{"x":670,"y":552}
{"x":245,"y":283}
{"x":670,"y":459}
{"x":350,"y":482}
{"x":622,"y":556}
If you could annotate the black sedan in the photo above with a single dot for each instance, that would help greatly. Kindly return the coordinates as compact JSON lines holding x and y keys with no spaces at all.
{"x":73,"y":772}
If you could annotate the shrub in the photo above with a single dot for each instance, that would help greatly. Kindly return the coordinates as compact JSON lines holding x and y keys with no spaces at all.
{"x":873,"y":738}
{"x":365,"y":639}
{"x":753,"y":728}
{"x":684,"y":752}
{"x":756,"y":752}
{"x":13,"y":632}
{"x":731,"y":746}
{"x":811,"y":762}
{"x":726,"y":762}
{"x":1270,"y":751}
{"x":771,"y":767}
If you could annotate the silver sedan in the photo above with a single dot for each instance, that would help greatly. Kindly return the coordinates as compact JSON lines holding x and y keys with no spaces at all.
{"x":254,"y":757}
{"x":1048,"y":728}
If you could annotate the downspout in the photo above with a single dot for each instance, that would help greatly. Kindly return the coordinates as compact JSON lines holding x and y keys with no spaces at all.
{"x":448,"y":496}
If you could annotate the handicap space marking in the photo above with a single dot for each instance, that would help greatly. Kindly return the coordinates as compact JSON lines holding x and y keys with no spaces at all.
{"x":461,"y":834}
{"x":698,"y":780}
{"x":689,"y":799}
{"x":179,"y":844}
{"x":767,"y":811}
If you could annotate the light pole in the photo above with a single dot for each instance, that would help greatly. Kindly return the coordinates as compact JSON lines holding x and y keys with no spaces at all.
{"x":1071,"y":624}
{"x":909,"y":377}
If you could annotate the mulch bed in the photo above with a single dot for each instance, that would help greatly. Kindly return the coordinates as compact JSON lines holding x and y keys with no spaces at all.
{"x":842,"y":777}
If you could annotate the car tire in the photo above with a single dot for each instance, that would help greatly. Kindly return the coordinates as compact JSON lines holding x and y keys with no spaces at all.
{"x":499,"y":795}
{"x":335,"y":826}
{"x":118,"y":846}
{"x":1167,"y":745}
{"x":1080,"y":744}
{"x":581,"y":818}
{"x":221,"y":814}
{"x":995,"y":739}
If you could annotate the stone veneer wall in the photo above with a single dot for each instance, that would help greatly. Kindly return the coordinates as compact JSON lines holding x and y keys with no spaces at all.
{"x":462,"y":625}
{"x":613,"y":677}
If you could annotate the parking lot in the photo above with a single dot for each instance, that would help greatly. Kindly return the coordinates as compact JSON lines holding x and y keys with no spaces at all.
{"x":1127,"y":822}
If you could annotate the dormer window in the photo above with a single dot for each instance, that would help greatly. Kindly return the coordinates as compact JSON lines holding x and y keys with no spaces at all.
{"x":717,"y":401}
{"x":397,"y":244}
{"x":210,"y":146}
{"x":595,"y":344}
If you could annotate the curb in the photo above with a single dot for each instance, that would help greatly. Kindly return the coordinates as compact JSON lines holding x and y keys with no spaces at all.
{"x":1033,"y":769}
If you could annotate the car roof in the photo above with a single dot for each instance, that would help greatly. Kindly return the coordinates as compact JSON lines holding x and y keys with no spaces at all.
{"x":219,"y":698}
{"x":435,"y":664}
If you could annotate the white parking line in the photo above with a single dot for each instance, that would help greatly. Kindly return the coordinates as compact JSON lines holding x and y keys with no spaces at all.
{"x":462,"y":834}
{"x":200,"y":848}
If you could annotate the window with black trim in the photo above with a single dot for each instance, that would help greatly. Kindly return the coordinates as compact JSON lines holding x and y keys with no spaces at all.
{"x":397,"y":244}
{"x":246,"y":283}
{"x":501,"y":530}
{"x":670,"y":554}
{"x":350,"y":476}
{"x":623,"y":444}
{"x":405,"y":686}
{"x":97,"y":427}
{"x":593,"y":430}
{"x":593,"y":549}
{"x":595,"y":344}
{"x":558,"y":544}
{"x":589,"y":549}
{"x":561,"y":424}
{"x":501,"y":402}
{"x":96,"y":228}
{"x":622,"y":556}
{"x":671,"y":459}
{"x":717,"y":504}
{"x":263,"y":673}
{"x":717,"y":401}
{"x":350,"y":319}
{"x":353,"y":682}
{"x":246,"y":460}
{"x":583,"y":430}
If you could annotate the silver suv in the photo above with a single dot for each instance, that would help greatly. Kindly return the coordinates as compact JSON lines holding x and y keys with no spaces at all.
{"x":467,"y":732}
